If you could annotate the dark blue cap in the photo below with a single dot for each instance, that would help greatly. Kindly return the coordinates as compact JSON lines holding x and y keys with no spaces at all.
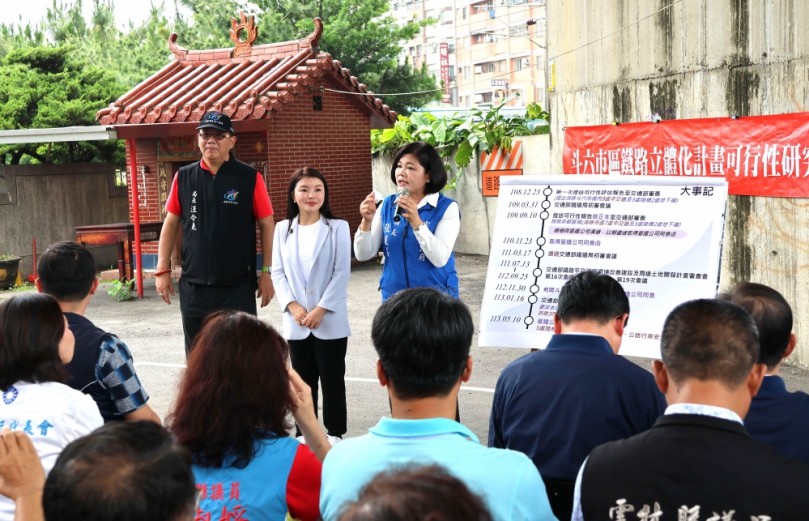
{"x":216,"y":120}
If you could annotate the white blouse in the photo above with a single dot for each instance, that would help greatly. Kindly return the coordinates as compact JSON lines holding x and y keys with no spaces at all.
{"x":436,"y":247}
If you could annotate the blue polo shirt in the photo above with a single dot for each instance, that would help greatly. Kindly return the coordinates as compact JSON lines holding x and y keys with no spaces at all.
{"x":780,"y":418}
{"x":507,"y":480}
{"x":558,"y":404}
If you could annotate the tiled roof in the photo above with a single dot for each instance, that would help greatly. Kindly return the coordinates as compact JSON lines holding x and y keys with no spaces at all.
{"x":245,"y":82}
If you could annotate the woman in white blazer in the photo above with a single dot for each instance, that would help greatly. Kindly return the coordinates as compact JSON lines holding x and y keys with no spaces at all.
{"x":311,"y":265}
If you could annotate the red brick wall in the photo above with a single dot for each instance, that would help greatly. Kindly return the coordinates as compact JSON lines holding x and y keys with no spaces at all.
{"x":335,"y":140}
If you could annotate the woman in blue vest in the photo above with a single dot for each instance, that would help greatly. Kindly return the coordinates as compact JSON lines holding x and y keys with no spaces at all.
{"x":418,"y":226}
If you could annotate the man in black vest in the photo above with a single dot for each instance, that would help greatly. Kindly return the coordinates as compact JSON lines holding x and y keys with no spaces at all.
{"x":697,"y":462}
{"x":217,"y":202}
{"x":102,"y":365}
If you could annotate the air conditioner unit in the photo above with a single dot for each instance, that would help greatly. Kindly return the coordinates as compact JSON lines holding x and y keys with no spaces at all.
{"x":478,"y":98}
{"x":489,"y":38}
{"x":478,"y":69}
{"x":526,"y":62}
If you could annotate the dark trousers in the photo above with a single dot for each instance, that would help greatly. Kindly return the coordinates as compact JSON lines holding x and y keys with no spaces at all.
{"x":197,"y":301}
{"x":325,"y":360}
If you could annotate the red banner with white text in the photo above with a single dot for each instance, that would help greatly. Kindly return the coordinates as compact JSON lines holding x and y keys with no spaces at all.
{"x":758,"y":155}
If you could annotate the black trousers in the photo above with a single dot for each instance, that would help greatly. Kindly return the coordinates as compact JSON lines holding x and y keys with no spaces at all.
{"x":197,"y":301}
{"x":325,"y":360}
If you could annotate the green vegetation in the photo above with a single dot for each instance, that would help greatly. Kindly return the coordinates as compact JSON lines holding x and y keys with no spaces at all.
{"x":63,"y":70}
{"x":42,"y":87}
{"x":7,"y":256}
{"x":121,"y":290}
{"x":464,"y":132}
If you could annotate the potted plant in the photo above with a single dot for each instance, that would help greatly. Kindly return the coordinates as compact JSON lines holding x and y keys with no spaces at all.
{"x":9,"y":265}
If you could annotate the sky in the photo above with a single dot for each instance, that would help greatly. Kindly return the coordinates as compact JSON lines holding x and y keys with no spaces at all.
{"x":34,"y":11}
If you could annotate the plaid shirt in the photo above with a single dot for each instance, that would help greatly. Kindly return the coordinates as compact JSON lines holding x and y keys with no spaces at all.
{"x":116,"y":372}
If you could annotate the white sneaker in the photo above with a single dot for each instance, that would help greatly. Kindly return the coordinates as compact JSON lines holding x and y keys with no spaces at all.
{"x":333,"y":440}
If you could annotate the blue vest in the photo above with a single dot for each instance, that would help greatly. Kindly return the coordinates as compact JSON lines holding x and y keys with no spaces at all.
{"x":406,"y":266}
{"x":258,"y":491}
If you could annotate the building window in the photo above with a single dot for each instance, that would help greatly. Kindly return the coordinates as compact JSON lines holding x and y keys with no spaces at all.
{"x":317,"y":102}
{"x":451,"y":48}
{"x":451,"y":72}
{"x":120,"y":177}
{"x":466,"y":72}
{"x":445,"y":17}
{"x":464,"y":13}
{"x":489,"y":67}
{"x":487,"y":97}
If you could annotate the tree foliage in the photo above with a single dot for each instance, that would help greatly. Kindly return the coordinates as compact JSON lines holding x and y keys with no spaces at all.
{"x":43,"y":87}
{"x":356,"y":32}
{"x":463,"y":132}
{"x":61,"y":71}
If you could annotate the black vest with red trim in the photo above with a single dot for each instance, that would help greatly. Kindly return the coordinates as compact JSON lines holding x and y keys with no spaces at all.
{"x":219,"y":226}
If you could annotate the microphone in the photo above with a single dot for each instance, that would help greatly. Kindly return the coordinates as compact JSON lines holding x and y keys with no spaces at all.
{"x":397,"y":215}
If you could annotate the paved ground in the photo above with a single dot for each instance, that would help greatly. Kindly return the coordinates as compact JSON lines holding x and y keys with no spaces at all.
{"x":154,"y":333}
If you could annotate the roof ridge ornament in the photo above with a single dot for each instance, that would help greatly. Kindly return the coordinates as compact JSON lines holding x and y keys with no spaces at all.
{"x":313,"y":40}
{"x":243,"y":47}
{"x":179,"y":52}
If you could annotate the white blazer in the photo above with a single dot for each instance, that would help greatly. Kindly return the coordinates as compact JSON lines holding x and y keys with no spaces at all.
{"x":327,"y":286}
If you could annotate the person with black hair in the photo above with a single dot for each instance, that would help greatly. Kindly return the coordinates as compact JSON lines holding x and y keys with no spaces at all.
{"x":102,"y":364}
{"x":558,"y":404}
{"x":124,"y":471}
{"x":35,"y":343}
{"x":697,"y":461}
{"x":311,"y":269}
{"x":423,"y":337}
{"x":776,"y":417}
{"x":216,"y":203}
{"x":416,"y":493}
{"x":418,"y":230}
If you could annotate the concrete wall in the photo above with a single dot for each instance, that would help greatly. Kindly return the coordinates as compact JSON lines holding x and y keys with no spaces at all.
{"x":699,"y":58}
{"x":477,"y":211}
{"x":47,"y":202}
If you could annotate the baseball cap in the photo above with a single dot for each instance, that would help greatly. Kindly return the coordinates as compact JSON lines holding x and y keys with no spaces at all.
{"x":216,"y":120}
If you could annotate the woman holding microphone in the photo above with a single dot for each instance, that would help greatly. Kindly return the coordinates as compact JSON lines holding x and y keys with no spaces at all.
{"x":310,"y":271}
{"x":418,"y":226}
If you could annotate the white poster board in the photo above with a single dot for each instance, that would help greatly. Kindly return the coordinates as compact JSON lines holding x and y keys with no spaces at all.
{"x":659,"y":237}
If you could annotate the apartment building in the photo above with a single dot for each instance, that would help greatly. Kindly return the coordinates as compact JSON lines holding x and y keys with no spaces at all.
{"x":484,"y":50}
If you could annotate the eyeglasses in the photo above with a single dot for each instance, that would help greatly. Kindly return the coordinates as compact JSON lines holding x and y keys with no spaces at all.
{"x":219,"y":137}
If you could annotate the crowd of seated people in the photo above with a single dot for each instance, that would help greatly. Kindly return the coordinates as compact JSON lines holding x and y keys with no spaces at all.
{"x":576,"y":432}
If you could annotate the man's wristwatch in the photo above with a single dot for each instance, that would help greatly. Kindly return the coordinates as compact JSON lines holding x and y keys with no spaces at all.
{"x":267,"y":269}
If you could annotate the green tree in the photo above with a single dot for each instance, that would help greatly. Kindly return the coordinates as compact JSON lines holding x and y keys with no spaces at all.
{"x":356,"y":32}
{"x":43,"y":87}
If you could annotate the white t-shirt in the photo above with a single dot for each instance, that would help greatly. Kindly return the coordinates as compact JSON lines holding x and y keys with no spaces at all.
{"x":53,"y":415}
{"x":307,"y":237}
